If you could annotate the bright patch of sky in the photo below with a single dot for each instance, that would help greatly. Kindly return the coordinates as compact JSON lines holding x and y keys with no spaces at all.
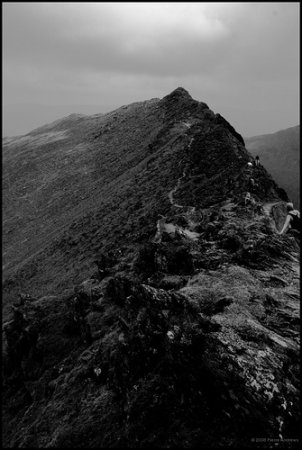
{"x":242,"y":59}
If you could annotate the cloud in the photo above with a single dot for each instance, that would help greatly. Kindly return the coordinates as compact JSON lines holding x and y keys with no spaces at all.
{"x":161,"y":39}
{"x":80,"y":53}
{"x":156,"y":38}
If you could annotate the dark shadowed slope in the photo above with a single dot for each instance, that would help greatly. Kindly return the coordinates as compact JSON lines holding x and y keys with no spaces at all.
{"x":280,"y":155}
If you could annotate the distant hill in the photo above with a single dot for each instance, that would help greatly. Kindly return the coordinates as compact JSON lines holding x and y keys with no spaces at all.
{"x":280,"y":155}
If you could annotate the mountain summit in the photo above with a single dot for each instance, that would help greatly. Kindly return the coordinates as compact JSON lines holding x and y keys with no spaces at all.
{"x":179,"y":92}
{"x":148,"y":299}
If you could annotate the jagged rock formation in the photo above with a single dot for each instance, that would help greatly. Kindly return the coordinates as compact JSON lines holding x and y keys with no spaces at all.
{"x":184,"y":337}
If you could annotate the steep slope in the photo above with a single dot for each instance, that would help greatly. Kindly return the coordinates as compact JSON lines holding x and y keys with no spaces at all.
{"x":280,"y":154}
{"x":187,"y":334}
{"x":86,"y":182}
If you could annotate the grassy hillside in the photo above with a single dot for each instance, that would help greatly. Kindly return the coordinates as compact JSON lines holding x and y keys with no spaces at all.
{"x":74,"y":173}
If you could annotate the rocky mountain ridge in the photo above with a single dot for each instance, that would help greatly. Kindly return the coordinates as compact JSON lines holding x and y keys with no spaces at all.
{"x":181,"y":328}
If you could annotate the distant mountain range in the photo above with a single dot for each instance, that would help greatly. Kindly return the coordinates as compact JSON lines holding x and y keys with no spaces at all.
{"x":280,"y":154}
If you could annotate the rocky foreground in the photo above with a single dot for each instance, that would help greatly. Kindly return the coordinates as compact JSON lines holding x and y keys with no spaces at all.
{"x":194,"y":343}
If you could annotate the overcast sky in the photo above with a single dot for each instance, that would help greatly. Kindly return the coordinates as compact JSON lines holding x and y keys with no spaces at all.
{"x":242,"y":59}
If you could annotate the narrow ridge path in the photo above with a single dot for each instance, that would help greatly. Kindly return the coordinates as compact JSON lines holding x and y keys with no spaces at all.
{"x":170,"y":227}
{"x":172,"y":192}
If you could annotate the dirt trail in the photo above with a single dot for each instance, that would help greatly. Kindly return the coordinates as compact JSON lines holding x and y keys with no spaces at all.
{"x":172,"y":192}
{"x":170,"y":227}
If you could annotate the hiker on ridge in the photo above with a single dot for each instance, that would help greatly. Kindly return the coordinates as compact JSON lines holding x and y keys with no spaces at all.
{"x":247,"y":199}
{"x":292,"y":221}
{"x":257,"y":162}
